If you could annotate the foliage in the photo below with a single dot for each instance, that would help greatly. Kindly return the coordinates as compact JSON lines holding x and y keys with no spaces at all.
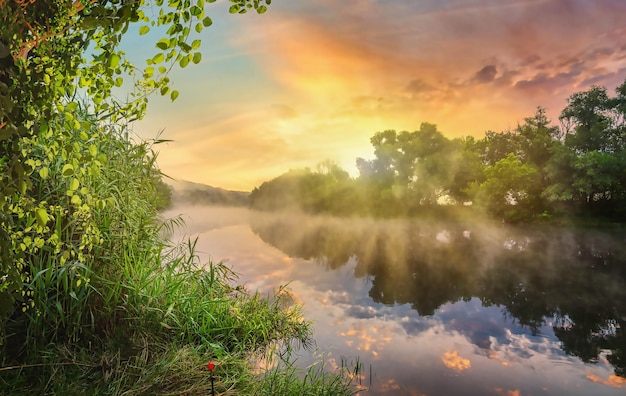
{"x":532,"y":173}
{"x":326,"y":190}
{"x":83,"y":206}
{"x":416,"y":165}
{"x":286,"y":379}
{"x":507,"y":191}
{"x":201,"y":194}
{"x":111,"y":307}
{"x":51,"y":52}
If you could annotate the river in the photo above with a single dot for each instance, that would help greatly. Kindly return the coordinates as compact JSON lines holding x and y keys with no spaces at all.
{"x":439,"y":308}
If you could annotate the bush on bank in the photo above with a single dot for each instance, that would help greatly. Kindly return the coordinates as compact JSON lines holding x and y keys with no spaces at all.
{"x":109,"y":306}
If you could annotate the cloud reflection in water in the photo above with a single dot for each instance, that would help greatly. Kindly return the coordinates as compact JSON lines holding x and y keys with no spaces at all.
{"x":464,"y":304}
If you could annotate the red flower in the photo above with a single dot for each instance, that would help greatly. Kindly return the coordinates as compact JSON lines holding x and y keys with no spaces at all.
{"x":211,"y":366}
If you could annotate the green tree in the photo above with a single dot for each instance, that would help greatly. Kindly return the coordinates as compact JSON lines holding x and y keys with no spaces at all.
{"x":468,"y":169}
{"x":410,"y":168}
{"x":329,"y":189}
{"x":587,"y":121}
{"x":496,"y":146}
{"x":509,"y":189}
{"x":537,"y":138}
{"x":591,"y":174}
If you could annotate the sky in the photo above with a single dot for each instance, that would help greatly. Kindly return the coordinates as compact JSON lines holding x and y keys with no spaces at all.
{"x":312,"y":80}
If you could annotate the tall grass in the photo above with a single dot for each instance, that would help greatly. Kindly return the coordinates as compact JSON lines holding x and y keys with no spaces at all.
{"x":128,"y":313}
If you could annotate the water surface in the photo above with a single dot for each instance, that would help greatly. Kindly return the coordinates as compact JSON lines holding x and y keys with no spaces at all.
{"x":440,"y":308}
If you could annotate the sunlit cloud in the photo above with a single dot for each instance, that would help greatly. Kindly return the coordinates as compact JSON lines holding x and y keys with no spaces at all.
{"x":438,"y":50}
{"x":502,"y":392}
{"x":314,"y":80}
{"x":453,"y":361}
{"x":389,"y":385}
{"x":369,"y":338}
{"x":613,"y":381}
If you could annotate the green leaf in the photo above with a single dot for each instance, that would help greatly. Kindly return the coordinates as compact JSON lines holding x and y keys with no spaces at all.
{"x":144,"y":29}
{"x":199,"y":27}
{"x":184,"y":61}
{"x":43,"y":127}
{"x":195,"y":44}
{"x":68,"y":170}
{"x":42,"y":216}
{"x":114,"y":61}
{"x":158,"y":58}
{"x":22,"y":186}
{"x":206,"y":22}
{"x":261,"y":9}
{"x":74,"y":184}
{"x":43,"y":172}
{"x":197,"y":57}
{"x":71,"y":106}
{"x":163,"y":44}
{"x":164,"y":90}
{"x":174,"y":95}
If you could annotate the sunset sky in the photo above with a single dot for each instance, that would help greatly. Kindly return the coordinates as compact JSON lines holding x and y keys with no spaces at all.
{"x":314,"y":79}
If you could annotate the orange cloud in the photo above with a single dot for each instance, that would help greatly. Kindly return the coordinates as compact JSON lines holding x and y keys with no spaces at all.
{"x":493,"y":355}
{"x":390,"y":385}
{"x":502,"y":392}
{"x":368,"y":338}
{"x":453,"y":361}
{"x":315,"y":80}
{"x":613,"y":381}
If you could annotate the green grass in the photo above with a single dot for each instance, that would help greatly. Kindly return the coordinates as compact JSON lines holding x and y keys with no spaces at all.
{"x":112,"y":308}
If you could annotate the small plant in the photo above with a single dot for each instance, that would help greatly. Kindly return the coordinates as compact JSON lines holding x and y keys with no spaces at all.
{"x":285,"y":378}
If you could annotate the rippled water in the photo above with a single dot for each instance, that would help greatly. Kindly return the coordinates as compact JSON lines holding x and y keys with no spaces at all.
{"x":440,"y":308}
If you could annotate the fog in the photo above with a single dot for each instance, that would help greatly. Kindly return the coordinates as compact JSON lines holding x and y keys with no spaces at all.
{"x":451,"y":292}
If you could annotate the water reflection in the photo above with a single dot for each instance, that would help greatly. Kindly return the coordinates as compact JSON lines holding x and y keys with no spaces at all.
{"x":444,"y":308}
{"x":574,"y":281}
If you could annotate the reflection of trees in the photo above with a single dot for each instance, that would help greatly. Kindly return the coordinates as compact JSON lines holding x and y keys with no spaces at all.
{"x":574,"y":280}
{"x":577,"y":280}
{"x":416,"y":272}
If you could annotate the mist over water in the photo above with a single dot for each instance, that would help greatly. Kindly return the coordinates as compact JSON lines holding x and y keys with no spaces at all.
{"x":440,"y":308}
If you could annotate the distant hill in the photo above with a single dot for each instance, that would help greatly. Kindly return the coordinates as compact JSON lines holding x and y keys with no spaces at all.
{"x":201,"y":194}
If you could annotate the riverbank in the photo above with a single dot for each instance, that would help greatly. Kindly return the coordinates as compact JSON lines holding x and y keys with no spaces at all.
{"x":171,"y":322}
{"x":109,"y":307}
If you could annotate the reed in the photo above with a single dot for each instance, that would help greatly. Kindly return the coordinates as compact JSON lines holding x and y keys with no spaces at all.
{"x":129,"y":313}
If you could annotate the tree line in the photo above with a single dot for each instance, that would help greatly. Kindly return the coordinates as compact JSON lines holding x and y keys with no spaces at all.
{"x":536,"y":171}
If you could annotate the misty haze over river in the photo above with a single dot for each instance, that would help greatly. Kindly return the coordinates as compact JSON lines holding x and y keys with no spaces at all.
{"x":439,"y":308}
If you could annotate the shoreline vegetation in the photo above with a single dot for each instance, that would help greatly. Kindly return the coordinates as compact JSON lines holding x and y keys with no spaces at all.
{"x":537,"y":173}
{"x":130,"y":313}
